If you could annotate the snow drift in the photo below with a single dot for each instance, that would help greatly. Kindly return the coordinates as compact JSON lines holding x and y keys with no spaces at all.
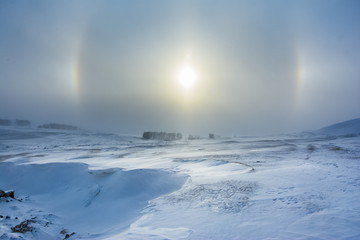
{"x":92,"y":202}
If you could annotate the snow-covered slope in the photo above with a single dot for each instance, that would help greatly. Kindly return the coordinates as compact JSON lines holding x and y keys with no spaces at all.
{"x":343,"y":128}
{"x":104,"y":186}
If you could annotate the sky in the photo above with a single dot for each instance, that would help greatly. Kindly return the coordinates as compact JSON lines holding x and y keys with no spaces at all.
{"x":261,"y":66}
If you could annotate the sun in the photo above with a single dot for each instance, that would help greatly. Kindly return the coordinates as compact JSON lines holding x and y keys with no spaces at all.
{"x":187,"y":77}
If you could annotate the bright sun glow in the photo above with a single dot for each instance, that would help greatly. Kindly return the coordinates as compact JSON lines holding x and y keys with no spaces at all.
{"x":187,"y":77}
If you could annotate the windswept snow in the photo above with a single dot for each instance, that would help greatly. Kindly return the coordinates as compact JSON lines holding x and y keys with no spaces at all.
{"x":91,"y":203}
{"x":104,"y":186}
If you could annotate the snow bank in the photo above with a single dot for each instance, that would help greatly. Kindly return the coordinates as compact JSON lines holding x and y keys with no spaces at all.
{"x":86,"y":202}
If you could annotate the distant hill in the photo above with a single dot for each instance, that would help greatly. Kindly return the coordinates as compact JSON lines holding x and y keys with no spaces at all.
{"x":343,"y":128}
{"x":58,"y":126}
{"x":17,"y":122}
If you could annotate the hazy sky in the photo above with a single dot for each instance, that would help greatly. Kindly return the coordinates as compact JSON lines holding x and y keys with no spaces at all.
{"x":261,"y":66}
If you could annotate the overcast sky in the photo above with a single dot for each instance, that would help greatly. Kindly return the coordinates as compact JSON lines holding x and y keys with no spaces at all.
{"x":261,"y":66}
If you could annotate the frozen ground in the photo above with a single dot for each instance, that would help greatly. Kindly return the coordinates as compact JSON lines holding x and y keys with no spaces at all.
{"x":104,"y":186}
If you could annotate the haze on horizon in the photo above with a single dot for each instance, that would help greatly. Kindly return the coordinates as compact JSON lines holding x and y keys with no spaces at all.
{"x":261,"y":66}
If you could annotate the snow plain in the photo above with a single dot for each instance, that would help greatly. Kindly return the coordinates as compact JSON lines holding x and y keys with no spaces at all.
{"x":105,"y":186}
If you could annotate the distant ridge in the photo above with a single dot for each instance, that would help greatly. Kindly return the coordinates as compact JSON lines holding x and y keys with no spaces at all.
{"x":343,"y":128}
{"x":58,"y":126}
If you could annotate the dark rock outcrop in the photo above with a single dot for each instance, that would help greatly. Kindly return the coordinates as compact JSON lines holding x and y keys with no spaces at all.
{"x":162,"y":136}
{"x":69,"y":235}
{"x":6,"y":194}
{"x":23,"y":227}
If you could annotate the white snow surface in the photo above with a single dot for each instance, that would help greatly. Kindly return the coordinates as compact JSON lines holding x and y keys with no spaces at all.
{"x":105,"y":186}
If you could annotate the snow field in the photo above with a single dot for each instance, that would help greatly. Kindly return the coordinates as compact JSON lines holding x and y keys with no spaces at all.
{"x":101,"y":186}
